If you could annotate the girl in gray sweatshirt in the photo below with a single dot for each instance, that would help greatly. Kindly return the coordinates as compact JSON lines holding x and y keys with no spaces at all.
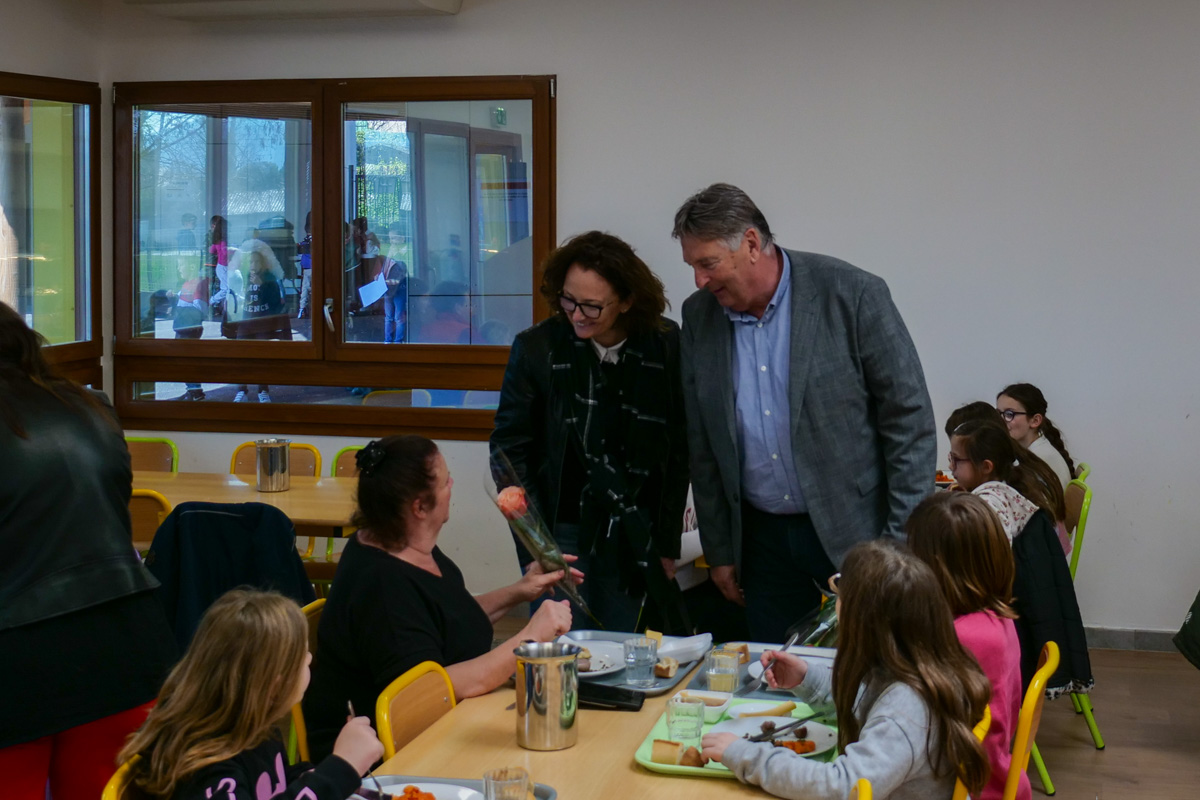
{"x":906,"y":692}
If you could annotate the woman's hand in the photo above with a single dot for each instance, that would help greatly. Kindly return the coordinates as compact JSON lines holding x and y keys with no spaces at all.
{"x":789,"y":670}
{"x":713,"y":745}
{"x":358,"y":745}
{"x":537,"y":582}
{"x":551,"y":620}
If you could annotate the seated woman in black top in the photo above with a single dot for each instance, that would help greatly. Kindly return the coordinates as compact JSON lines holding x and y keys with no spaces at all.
{"x":397,"y":600}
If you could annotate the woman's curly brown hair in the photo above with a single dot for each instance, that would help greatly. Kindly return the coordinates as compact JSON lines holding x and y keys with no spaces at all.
{"x":615,"y":261}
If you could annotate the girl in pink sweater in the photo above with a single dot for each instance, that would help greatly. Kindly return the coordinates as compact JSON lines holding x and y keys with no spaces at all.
{"x":962,"y":539}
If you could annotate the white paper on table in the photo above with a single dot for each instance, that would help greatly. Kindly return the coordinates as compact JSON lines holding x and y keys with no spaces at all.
{"x":372,"y":291}
{"x":689,"y":648}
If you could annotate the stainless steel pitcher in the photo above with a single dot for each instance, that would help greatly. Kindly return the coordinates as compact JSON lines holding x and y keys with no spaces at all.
{"x":547,"y":695}
{"x":273,"y":472}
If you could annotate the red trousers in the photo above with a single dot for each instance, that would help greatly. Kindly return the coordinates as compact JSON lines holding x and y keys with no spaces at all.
{"x":77,"y":762}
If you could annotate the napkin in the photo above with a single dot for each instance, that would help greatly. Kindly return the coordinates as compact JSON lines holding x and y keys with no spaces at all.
{"x":689,"y":648}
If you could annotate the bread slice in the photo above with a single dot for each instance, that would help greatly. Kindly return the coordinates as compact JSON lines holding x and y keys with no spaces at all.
{"x":781,"y":710}
{"x":691,"y":758}
{"x":666,"y":667}
{"x":655,"y":635}
{"x":711,"y":702}
{"x":741,"y":648}
{"x":664,"y":751}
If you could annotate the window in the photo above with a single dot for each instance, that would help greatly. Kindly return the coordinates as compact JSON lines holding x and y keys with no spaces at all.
{"x":358,"y":254}
{"x":48,"y":202}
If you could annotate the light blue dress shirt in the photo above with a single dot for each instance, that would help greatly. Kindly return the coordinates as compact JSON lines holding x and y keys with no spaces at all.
{"x":761,"y":366}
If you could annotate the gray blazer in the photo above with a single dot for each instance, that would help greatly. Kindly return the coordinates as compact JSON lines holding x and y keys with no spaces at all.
{"x":863,"y":435}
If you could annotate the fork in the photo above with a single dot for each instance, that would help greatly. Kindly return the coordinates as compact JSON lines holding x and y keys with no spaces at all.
{"x":371,"y":775}
{"x":758,"y":682}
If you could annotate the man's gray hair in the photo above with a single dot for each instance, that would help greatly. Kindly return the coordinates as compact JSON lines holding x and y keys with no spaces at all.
{"x":724,"y":212}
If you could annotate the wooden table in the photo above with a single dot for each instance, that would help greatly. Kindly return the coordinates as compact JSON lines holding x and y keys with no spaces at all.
{"x":481,"y":734}
{"x":311,"y":502}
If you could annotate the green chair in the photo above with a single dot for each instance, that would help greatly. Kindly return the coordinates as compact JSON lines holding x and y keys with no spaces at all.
{"x":1082,"y":470}
{"x":152,"y":454}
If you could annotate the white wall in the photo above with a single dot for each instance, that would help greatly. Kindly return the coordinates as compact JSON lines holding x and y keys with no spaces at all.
{"x":1024,"y":174}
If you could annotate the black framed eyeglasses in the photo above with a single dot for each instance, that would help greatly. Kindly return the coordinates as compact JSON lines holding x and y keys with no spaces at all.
{"x":955,"y":461}
{"x":1009,"y":414}
{"x":590,"y":310}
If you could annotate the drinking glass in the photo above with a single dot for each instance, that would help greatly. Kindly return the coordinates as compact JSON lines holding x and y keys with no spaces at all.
{"x":685,"y":717}
{"x":506,"y":783}
{"x":641,"y":654}
{"x":721,"y":670}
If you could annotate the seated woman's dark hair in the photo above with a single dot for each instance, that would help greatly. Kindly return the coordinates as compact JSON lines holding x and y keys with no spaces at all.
{"x":977,"y":410}
{"x":615,"y":261}
{"x":988,"y":440}
{"x":392,"y":474}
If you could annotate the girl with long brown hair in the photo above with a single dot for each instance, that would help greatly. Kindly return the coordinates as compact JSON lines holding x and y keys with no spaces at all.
{"x":213,"y":733}
{"x":959,"y":536}
{"x":907,"y":693}
{"x":1023,"y":407}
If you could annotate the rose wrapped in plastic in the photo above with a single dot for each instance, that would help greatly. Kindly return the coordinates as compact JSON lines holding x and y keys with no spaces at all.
{"x":509,"y":495}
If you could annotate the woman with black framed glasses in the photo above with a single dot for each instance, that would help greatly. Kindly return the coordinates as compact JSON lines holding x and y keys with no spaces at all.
{"x":591,"y":419}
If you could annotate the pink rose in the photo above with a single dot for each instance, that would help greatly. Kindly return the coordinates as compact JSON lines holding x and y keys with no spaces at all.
{"x":512,"y":502}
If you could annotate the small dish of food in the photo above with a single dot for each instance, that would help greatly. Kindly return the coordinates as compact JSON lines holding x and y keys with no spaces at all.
{"x":715,"y":703}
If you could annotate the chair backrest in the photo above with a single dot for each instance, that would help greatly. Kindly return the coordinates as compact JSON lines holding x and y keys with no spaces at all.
{"x":861,"y":790}
{"x":981,"y":732}
{"x":303,"y":459}
{"x":412,"y":703}
{"x":121,"y":786}
{"x":1082,"y":470}
{"x":147,"y":510}
{"x":1078,"y":498}
{"x":152,"y":454}
{"x":481,"y":398}
{"x":344,"y":465}
{"x":1030,"y":718}
{"x":312,"y":612}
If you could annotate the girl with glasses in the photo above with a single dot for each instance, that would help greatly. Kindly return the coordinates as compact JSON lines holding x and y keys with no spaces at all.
{"x":591,"y":419}
{"x":1023,"y":407}
{"x":907,"y":693}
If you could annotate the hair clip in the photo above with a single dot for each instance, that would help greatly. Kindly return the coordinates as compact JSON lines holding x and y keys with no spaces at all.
{"x":369,"y":457}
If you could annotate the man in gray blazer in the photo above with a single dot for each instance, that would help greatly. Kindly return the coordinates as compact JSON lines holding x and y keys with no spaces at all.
{"x":809,"y":423}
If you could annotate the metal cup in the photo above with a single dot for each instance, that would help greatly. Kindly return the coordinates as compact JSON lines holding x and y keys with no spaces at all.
{"x":547,"y":695}
{"x":273,"y":473}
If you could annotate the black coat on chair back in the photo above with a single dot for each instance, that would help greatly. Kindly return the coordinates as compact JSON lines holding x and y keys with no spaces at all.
{"x":203,"y":550}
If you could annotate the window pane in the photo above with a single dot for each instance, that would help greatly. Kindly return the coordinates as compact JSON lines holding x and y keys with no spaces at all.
{"x":223,"y":199}
{"x":44,"y":215}
{"x":314,"y":395}
{"x":437,"y":243}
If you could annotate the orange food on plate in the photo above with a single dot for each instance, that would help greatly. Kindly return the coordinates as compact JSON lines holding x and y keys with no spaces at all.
{"x":413,"y":793}
{"x":800,"y":746}
{"x":512,"y":502}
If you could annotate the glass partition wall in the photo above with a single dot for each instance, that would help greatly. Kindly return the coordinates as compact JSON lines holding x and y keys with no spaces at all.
{"x":329,"y":253}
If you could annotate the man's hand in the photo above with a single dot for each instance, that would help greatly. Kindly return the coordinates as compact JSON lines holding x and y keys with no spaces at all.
{"x":668,"y":565}
{"x":725,"y":577}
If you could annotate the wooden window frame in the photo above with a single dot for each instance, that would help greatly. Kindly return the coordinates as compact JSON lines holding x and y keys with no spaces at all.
{"x":466,"y":367}
{"x":80,"y":360}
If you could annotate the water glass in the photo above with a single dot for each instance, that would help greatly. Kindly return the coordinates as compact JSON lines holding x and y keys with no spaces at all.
{"x":685,"y":717}
{"x":721,"y":670}
{"x":641,"y":654}
{"x":506,"y":783}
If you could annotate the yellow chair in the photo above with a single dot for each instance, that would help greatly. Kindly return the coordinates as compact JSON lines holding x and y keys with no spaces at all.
{"x":303,"y":459}
{"x":861,"y":790}
{"x":1029,"y":719}
{"x":147,"y":510}
{"x":121,"y":786}
{"x":1082,"y":470}
{"x":152,"y":454}
{"x":980,"y":731}
{"x":412,"y":703}
{"x":298,"y":739}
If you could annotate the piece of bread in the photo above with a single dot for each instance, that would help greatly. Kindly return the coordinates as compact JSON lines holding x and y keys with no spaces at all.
{"x":655,"y":635}
{"x":664,"y":751}
{"x":781,"y":710}
{"x":711,"y":702}
{"x":666,"y":667}
{"x":741,"y":648}
{"x":691,"y":758}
